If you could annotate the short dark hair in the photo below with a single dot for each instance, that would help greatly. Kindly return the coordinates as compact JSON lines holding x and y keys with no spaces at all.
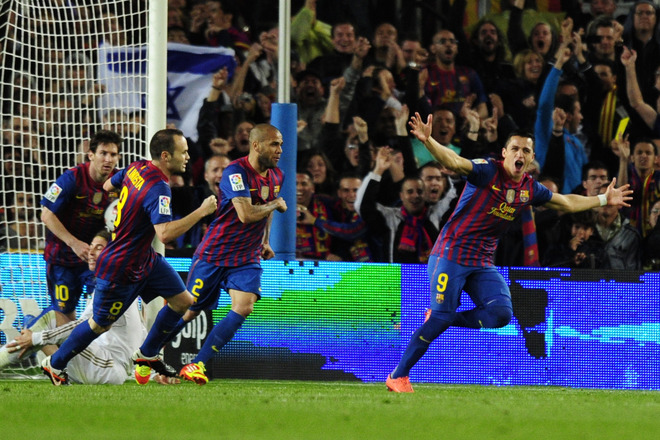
{"x":645,"y":140}
{"x":521,"y":133}
{"x":566,"y":102}
{"x":163,"y":140}
{"x":593,"y":165}
{"x":104,"y":137}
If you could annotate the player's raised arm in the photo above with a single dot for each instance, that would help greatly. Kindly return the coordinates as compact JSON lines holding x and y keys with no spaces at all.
{"x":574,"y":202}
{"x":442,"y":154}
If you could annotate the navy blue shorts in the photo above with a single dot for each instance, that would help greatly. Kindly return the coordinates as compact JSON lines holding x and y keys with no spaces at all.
{"x":205,"y":281}
{"x":111,"y":299}
{"x":65,"y":285}
{"x":449,"y":279}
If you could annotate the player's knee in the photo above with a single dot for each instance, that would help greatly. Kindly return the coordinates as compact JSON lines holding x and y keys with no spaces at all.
{"x":180,"y":303}
{"x":498,"y":316}
{"x":243,"y":309}
{"x":437,"y":323}
{"x":97,"y":328}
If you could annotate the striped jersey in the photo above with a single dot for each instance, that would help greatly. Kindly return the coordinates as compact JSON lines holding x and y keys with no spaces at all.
{"x":144,"y":201}
{"x":79,"y":203}
{"x":452,"y":88}
{"x":228,"y":241}
{"x":486,"y":208}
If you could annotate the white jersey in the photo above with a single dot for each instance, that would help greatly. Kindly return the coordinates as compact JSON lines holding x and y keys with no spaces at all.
{"x":107,"y":360}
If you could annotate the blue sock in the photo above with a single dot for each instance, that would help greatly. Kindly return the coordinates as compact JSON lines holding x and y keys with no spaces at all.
{"x":164,"y":324}
{"x":222,"y":333}
{"x":418,"y":344}
{"x":78,"y":340}
{"x":175,"y":331}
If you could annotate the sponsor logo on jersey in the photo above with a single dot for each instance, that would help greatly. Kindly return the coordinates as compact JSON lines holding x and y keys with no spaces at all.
{"x":236,"y":181}
{"x":164,"y":205}
{"x":479,"y":161}
{"x":53,"y":192}
{"x":495,"y":188}
{"x":524,"y":195}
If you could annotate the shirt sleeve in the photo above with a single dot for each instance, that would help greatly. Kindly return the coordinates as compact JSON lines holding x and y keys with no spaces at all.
{"x":234,"y":183}
{"x":60,"y":192}
{"x":482,"y":172}
{"x":158,"y":203}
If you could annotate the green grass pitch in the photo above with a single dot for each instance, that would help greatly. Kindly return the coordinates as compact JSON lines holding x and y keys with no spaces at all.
{"x":241,"y":409}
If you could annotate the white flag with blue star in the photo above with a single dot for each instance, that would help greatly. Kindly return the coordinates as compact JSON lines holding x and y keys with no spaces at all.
{"x":190,"y":72}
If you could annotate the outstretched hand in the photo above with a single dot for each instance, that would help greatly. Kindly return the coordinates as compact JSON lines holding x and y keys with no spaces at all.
{"x":421,"y":130}
{"x":618,"y":196}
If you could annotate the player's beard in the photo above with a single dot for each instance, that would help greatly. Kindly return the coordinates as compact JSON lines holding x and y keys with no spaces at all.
{"x":266,"y":162}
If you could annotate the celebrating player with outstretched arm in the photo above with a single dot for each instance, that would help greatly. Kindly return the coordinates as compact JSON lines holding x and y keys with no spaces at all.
{"x":462,"y":257}
{"x":129,"y":266}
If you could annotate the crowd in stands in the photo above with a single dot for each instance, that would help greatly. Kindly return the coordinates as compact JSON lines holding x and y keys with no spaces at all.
{"x":366,"y":189}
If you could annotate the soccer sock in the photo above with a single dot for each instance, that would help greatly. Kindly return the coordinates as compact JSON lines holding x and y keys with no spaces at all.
{"x":418,"y":345}
{"x":484,"y":317}
{"x":78,"y":340}
{"x":165,"y":323}
{"x":175,"y":331}
{"x":222,"y":333}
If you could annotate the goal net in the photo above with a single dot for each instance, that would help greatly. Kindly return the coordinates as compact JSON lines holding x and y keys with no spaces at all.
{"x":60,"y":81}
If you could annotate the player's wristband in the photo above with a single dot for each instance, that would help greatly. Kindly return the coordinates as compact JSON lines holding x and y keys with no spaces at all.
{"x":602,"y":198}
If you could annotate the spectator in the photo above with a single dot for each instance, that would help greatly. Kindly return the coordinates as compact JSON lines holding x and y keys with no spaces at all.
{"x":347,"y":229}
{"x":310,"y":36}
{"x":406,"y":233}
{"x":440,"y":194}
{"x":575,"y":155}
{"x":622,"y":244}
{"x":311,"y":106}
{"x":220,"y":26}
{"x":594,"y":176}
{"x":449,"y":84}
{"x":21,"y":232}
{"x":651,"y":250}
{"x":320,"y":168}
{"x":580,"y":250}
{"x":520,"y":95}
{"x":643,"y":178}
{"x":312,"y":242}
{"x":332,"y":65}
{"x":647,"y":112}
{"x":489,"y":54}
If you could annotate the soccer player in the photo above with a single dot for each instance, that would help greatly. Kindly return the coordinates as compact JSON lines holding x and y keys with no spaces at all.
{"x":106,"y":360}
{"x":229,"y":255}
{"x":129,"y":266}
{"x":72,"y":210}
{"x":462,"y":258}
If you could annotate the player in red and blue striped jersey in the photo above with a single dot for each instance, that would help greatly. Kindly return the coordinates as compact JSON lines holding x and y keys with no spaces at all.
{"x":230,"y":252}
{"x":72,"y":210}
{"x":462,"y":258}
{"x":129,"y":266}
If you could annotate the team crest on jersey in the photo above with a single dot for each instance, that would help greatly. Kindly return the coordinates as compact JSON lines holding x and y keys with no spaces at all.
{"x":440,"y":298}
{"x":53,"y":192}
{"x":96,"y":199}
{"x":164,"y":205}
{"x":276,"y":190}
{"x":264,"y":192}
{"x":236,"y":181}
{"x":510,"y":195}
{"x":479,"y":161}
{"x":524,"y":196}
